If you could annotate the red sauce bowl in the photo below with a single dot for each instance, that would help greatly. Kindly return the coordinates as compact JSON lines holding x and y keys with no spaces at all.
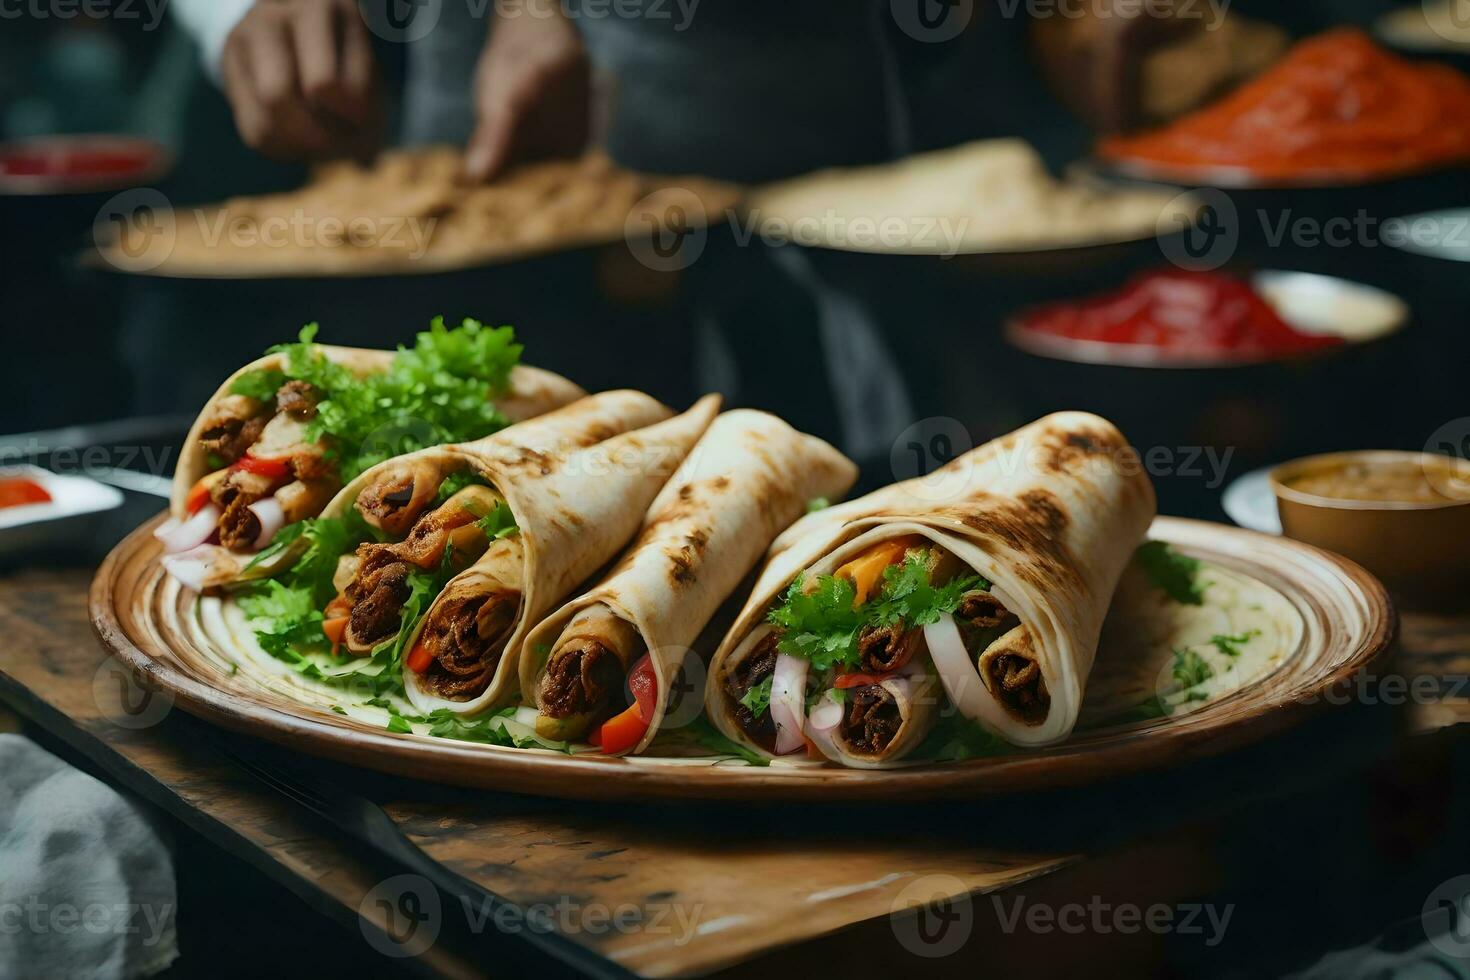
{"x":80,"y":164}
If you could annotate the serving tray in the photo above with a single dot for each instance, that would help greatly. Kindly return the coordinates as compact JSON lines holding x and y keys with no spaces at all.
{"x":1339,"y":621}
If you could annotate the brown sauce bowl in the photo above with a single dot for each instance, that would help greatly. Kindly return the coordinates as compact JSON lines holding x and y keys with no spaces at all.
{"x":1421,"y":549}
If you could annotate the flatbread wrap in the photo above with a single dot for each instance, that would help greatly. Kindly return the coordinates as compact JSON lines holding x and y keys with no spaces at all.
{"x":573,"y":512}
{"x":283,"y":434}
{"x":750,"y":477}
{"x":980,"y":589}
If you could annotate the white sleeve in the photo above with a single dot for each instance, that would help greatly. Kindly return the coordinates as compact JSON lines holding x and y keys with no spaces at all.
{"x":209,"y":23}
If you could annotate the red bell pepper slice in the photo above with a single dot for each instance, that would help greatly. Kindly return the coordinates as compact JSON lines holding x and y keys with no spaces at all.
{"x":271,"y":469}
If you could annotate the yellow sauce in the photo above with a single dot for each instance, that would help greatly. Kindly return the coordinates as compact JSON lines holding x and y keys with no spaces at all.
{"x":1392,"y":481}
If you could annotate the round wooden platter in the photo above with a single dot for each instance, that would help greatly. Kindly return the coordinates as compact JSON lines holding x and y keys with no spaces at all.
{"x":1346,"y":622}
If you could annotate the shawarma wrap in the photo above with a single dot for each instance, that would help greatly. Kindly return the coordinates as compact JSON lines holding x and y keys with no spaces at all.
{"x":572,"y":512}
{"x":748,"y":479}
{"x":249,"y":467}
{"x":984,"y":584}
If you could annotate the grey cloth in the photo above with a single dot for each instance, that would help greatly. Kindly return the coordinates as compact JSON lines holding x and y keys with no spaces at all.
{"x":438,"y":87}
{"x":86,"y":882}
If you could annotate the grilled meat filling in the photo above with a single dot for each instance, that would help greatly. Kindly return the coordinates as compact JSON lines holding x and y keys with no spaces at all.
{"x":467,"y":637}
{"x":377,"y":604}
{"x":752,"y":672}
{"x":396,"y":500}
{"x":1020,"y":687}
{"x":234,"y":428}
{"x":298,"y":398}
{"x":982,"y":610}
{"x":888,"y":648}
{"x":580,"y":680}
{"x":872,"y":719}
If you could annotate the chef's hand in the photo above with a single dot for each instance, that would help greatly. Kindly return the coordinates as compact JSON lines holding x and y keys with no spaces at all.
{"x":532,"y":90}
{"x":301,"y":79}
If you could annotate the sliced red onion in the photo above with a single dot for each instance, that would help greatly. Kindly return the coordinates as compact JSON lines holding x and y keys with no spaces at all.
{"x":181,"y":536}
{"x":272,"y":518}
{"x":788,"y":702}
{"x":959,"y":676}
{"x":190,"y":568}
{"x":826,"y":715}
{"x":826,"y":742}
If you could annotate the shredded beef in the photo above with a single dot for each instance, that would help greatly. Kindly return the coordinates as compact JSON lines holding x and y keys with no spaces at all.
{"x":982,"y":610}
{"x":378,"y":602}
{"x":467,"y":637}
{"x":888,"y":648}
{"x":752,"y":672}
{"x":1021,"y":687}
{"x":579,"y":681}
{"x":872,"y":718}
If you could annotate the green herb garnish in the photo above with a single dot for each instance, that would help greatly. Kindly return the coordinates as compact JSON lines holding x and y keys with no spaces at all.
{"x":1190,"y":669}
{"x":1230,"y":645}
{"x":823,"y":625}
{"x":758,"y":698}
{"x":499,"y":523}
{"x":1172,"y":572}
{"x":440,"y":390}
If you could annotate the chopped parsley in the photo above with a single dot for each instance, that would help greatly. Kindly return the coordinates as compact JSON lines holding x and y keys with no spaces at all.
{"x":956,"y":738}
{"x":758,"y":698}
{"x":1230,"y":645}
{"x":499,"y":523}
{"x":440,"y":390}
{"x":1190,"y":669}
{"x":823,"y":625}
{"x":706,"y":735}
{"x":1175,"y":574}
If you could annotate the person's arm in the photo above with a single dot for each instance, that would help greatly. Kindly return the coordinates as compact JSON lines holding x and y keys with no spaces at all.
{"x":532,"y":90}
{"x":299,"y":75}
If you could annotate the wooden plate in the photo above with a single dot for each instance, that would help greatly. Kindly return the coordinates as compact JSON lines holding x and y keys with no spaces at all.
{"x":1346,"y":621}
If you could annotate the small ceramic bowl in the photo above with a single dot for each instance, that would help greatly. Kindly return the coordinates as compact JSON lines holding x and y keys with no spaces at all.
{"x":1419,"y":548}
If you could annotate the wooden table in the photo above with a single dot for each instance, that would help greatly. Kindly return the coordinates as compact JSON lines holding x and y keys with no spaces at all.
{"x":672,"y":890}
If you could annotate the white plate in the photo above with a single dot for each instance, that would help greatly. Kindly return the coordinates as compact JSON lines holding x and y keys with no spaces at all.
{"x":1251,"y":502}
{"x":75,"y":504}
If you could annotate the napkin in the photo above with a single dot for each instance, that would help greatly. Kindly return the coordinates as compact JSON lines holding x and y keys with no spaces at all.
{"x":86,"y":881}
